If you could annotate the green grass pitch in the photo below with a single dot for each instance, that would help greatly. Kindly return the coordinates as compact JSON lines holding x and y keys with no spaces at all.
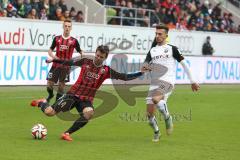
{"x":206,"y":128}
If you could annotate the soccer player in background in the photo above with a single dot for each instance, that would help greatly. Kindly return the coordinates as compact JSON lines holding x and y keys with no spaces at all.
{"x":64,"y":45}
{"x":81,"y":94}
{"x":162,"y":59}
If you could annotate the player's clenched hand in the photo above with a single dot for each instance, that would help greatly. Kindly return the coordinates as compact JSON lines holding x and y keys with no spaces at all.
{"x":49,"y":60}
{"x":195,"y":87}
{"x":146,"y":67}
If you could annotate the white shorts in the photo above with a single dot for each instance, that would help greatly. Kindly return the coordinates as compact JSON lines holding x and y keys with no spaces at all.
{"x":163,"y":87}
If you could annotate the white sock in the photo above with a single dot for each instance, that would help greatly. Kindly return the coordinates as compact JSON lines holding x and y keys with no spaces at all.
{"x":162,"y":107}
{"x":153,"y":123}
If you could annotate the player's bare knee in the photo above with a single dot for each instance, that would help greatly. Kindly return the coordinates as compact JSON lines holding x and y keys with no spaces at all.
{"x":150,"y":110}
{"x":49,"y":111}
{"x":150,"y":114}
{"x":156,"y":99}
{"x":50,"y":114}
{"x":50,"y":84}
{"x":61,"y":90}
{"x":88,"y":113}
{"x":61,"y":86}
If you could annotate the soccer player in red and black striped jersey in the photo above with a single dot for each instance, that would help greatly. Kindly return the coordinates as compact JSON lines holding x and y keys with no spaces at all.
{"x":65,"y":45}
{"x":81,"y":94}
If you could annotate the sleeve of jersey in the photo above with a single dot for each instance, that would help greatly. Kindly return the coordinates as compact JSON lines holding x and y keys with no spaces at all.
{"x":53,"y":44}
{"x":78,"y":46}
{"x":148,"y":57}
{"x":177,"y":54}
{"x":125,"y":77}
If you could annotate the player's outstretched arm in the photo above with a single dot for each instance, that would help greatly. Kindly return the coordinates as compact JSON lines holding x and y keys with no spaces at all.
{"x":195,"y":86}
{"x":76,"y":61}
{"x":126,"y":77}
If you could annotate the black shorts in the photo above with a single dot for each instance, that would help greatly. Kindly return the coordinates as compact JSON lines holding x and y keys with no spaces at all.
{"x":58,"y":74}
{"x":67,"y":102}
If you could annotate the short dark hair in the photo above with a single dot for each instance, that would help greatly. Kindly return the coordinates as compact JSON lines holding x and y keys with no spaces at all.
{"x":162,"y":26}
{"x":79,"y":12}
{"x":103,"y":49}
{"x":67,"y":20}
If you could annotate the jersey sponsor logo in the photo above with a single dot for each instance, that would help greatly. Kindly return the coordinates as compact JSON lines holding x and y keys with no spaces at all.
{"x":160,"y":56}
{"x":63,"y":47}
{"x":185,"y":43}
{"x":93,"y":75}
{"x":90,"y":77}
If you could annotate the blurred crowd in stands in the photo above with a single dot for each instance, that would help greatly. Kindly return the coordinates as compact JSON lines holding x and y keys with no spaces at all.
{"x":177,"y":14}
{"x":235,"y":3}
{"x":39,"y":9}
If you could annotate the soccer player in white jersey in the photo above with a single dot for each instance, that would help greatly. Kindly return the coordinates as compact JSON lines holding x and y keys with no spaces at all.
{"x":162,"y":59}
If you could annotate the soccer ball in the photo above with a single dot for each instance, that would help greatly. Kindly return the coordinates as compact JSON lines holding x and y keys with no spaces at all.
{"x":39,"y":131}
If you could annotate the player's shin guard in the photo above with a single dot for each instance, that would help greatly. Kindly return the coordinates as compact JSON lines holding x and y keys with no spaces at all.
{"x":43,"y":106}
{"x":153,"y":123}
{"x":79,"y":123}
{"x":162,"y":107}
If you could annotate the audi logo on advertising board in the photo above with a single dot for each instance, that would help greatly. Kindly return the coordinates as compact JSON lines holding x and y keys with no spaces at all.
{"x":184,"y":43}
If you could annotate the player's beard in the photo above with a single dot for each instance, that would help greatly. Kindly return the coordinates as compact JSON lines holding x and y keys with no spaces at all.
{"x":161,"y":41}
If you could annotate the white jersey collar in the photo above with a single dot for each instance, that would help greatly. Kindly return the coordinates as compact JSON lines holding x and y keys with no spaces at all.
{"x":65,"y":37}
